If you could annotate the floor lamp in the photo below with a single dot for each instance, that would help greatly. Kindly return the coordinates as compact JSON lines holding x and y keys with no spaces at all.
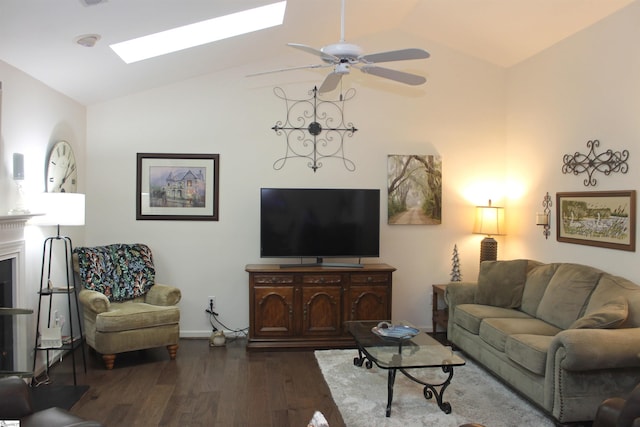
{"x":490,"y":222}
{"x":60,"y":209}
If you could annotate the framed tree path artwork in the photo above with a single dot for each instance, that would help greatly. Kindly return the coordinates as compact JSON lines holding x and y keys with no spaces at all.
{"x":597,"y":218}
{"x":414,"y":189}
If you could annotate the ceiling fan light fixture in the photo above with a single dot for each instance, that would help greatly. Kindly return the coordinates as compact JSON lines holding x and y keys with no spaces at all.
{"x":88,"y":40}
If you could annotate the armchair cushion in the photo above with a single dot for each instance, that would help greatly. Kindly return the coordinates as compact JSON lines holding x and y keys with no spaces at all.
{"x":119,"y":271}
{"x":137,"y":316}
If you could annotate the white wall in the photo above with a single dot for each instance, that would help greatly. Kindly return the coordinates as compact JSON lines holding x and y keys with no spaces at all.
{"x":453,"y":115}
{"x":501,"y":134}
{"x":584,"y":88}
{"x":34,"y":117}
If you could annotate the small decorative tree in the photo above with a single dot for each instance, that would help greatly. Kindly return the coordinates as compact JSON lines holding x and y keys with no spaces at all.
{"x":456,"y":276}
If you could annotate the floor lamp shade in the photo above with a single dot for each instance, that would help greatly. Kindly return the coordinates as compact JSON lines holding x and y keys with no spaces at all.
{"x":59,"y":209}
{"x":490,"y":222}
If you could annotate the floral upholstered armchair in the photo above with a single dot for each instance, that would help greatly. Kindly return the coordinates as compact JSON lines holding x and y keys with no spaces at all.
{"x":123,"y":308}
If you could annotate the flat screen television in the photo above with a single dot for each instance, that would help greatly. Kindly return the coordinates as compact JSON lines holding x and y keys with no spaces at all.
{"x":319,"y":223}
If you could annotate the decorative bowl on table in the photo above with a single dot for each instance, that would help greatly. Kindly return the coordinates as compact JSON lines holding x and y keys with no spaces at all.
{"x":398,"y":332}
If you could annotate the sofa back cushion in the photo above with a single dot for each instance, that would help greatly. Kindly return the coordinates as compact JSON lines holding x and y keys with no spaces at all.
{"x":567,"y":294}
{"x":500,"y":283}
{"x":610,"y":288}
{"x":538,"y":279}
{"x":120,"y":271}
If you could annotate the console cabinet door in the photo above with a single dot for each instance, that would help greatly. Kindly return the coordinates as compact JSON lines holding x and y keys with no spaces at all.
{"x":370,"y":297}
{"x":273,"y":307}
{"x":321,"y":308}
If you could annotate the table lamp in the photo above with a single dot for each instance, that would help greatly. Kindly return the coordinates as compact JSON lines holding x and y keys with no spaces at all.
{"x":490,"y":222}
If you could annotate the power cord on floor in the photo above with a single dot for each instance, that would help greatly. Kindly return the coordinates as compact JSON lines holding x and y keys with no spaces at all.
{"x":237,"y":333}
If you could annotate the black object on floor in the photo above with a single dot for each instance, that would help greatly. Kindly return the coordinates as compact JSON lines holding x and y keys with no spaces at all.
{"x":61,"y":396}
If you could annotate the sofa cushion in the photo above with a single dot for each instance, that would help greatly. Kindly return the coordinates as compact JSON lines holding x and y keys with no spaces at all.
{"x":469,"y":316}
{"x":537,"y":281}
{"x":609,"y":316}
{"x":495,"y":331}
{"x":611,"y":286}
{"x":529,"y":351}
{"x":567,"y":294}
{"x":500,"y":283}
{"x":129,"y":316}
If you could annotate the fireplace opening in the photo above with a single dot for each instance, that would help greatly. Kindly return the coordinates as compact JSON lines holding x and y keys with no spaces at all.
{"x":6,"y":322}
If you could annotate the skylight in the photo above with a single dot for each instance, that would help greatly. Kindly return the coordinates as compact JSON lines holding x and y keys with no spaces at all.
{"x":200,"y":33}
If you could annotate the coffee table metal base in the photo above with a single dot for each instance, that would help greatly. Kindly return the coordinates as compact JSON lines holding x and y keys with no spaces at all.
{"x":429,"y":391}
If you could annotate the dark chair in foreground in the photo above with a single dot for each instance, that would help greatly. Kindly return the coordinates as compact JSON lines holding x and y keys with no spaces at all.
{"x":16,"y":404}
{"x":619,"y":412}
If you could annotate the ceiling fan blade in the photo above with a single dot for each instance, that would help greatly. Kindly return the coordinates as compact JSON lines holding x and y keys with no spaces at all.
{"x":399,"y":76}
{"x":314,"y":51}
{"x":303,"y":67}
{"x":330,"y":82}
{"x":395,"y":55}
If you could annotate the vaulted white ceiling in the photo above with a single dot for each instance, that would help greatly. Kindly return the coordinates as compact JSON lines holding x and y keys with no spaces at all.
{"x":38,"y":36}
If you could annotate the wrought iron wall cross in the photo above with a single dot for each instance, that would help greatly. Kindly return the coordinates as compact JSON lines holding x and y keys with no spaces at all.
{"x":608,"y":162}
{"x":314,"y":129}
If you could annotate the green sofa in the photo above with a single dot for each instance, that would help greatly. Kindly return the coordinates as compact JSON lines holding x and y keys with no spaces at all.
{"x":566,"y":336}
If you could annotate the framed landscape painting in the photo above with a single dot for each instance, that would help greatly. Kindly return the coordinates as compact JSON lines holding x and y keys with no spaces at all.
{"x":177,"y":186}
{"x":414,"y":189}
{"x":597,"y":218}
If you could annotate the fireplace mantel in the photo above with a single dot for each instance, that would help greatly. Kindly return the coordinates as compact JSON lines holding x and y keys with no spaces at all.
{"x":12,"y":226}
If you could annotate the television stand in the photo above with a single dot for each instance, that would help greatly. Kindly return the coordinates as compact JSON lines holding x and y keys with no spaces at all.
{"x":320,"y":263}
{"x":304,"y":307}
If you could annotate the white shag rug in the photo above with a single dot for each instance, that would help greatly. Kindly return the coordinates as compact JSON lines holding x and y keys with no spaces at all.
{"x":475,"y":397}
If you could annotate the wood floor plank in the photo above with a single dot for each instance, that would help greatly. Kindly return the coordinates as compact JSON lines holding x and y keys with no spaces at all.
{"x":205,"y":386}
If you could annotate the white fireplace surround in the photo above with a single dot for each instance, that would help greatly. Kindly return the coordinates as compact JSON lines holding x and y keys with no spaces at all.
{"x":12,"y":247}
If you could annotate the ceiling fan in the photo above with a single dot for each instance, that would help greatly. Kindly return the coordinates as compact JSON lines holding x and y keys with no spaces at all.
{"x":342,"y":56}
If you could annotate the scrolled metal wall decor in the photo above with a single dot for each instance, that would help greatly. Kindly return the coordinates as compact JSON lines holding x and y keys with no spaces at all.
{"x":303,"y":128}
{"x":607,"y":162}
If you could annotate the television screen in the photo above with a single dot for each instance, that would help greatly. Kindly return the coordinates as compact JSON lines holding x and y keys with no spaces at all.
{"x":305,"y":222}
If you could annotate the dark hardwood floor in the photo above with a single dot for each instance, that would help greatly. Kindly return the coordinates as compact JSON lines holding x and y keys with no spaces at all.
{"x":204,"y":386}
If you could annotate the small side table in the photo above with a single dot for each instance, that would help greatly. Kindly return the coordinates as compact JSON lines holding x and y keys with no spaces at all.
{"x":440,"y":313}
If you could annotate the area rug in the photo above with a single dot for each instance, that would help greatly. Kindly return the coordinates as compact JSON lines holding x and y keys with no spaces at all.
{"x":475,"y":397}
{"x":61,"y":396}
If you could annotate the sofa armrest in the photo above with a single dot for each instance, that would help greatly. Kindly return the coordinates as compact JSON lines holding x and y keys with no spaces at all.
{"x":460,"y":293}
{"x":590,"y":349}
{"x":163,"y":295}
{"x":15,"y":398}
{"x":94,"y":301}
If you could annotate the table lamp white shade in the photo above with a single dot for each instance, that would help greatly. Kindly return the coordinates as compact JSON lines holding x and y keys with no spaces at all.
{"x":489,"y":220}
{"x":58,"y":209}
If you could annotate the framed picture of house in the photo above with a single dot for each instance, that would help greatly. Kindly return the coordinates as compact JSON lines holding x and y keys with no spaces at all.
{"x":182,"y":187}
{"x":597,"y":218}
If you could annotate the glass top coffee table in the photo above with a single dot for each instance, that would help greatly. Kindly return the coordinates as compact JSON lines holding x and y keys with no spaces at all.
{"x":400,"y":347}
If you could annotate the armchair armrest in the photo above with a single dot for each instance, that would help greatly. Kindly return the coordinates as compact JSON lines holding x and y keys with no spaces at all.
{"x":15,"y":398}
{"x":590,"y":349}
{"x":94,"y":301}
{"x":163,"y":295}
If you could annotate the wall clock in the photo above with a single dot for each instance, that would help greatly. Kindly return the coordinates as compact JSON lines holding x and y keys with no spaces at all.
{"x":62,"y":173}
